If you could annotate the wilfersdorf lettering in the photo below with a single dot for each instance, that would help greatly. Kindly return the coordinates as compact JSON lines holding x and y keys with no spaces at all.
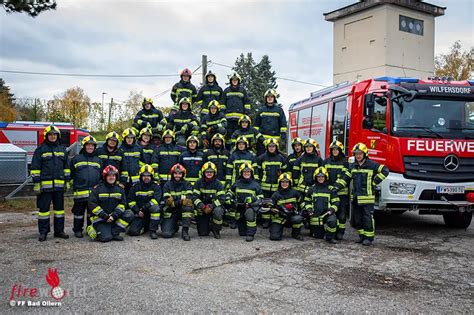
{"x":440,"y":145}
{"x":450,"y":89}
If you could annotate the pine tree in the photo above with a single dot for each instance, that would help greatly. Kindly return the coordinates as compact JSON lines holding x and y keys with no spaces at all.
{"x":256,"y":78}
{"x":32,"y":8}
{"x":7,"y":107}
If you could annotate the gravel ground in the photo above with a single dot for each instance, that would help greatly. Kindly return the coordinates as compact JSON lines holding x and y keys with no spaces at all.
{"x":416,"y":265}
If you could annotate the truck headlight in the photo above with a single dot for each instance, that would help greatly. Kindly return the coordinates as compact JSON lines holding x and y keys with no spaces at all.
{"x":402,"y":188}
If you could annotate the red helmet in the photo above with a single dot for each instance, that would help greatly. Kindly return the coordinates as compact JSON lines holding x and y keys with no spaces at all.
{"x":110,"y":170}
{"x":186,"y":71}
{"x":178,"y":168}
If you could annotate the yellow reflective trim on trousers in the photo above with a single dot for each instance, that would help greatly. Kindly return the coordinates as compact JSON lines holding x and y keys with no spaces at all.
{"x":251,"y":224}
{"x":58,"y":212}
{"x":155,"y":214}
{"x":96,"y":210}
{"x":44,"y":214}
{"x":153,"y":201}
{"x":122,"y":222}
{"x":35,"y":172}
{"x":132,"y":203}
{"x":330,"y":230}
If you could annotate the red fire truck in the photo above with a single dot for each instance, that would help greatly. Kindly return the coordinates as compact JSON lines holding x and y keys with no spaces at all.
{"x":423,"y":130}
{"x":28,"y":134}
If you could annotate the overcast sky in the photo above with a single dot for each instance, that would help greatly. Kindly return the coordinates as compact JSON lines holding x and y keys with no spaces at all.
{"x":162,"y":37}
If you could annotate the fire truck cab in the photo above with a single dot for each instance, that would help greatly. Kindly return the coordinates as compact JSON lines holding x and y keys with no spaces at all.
{"x":28,"y":135}
{"x":422,"y":130}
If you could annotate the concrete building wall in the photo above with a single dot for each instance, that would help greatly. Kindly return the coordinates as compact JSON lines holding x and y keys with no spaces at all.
{"x":369,"y":44}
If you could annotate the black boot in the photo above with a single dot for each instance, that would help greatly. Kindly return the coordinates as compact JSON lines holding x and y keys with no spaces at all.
{"x":266,"y":224}
{"x":339,"y":235}
{"x":153,"y":235}
{"x":360,"y":240}
{"x":216,"y":233}
{"x":61,"y":235}
{"x":78,"y":234}
{"x":249,"y":238}
{"x":42,"y":237}
{"x":367,"y":242}
{"x":331,"y":240}
{"x":232,"y":225}
{"x":185,"y":234}
{"x":117,"y":238}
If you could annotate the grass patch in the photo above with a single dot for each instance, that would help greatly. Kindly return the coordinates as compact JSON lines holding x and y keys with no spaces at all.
{"x":27,"y":204}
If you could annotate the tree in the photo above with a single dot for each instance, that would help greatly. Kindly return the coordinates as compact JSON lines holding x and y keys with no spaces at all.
{"x":32,"y":8}
{"x":256,"y":78}
{"x":7,"y":107}
{"x":458,"y":63}
{"x":30,"y":109}
{"x":72,"y":106}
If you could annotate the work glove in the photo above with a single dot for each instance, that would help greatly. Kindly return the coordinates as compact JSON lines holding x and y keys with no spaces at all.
{"x":205,"y":142}
{"x":159,"y":127}
{"x":140,"y":214}
{"x":207,"y":209}
{"x":170,"y":203}
{"x":37,"y":188}
{"x":184,"y":129}
{"x":187,"y":202}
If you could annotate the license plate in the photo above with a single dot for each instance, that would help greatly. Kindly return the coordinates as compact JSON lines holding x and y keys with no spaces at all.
{"x":450,"y":189}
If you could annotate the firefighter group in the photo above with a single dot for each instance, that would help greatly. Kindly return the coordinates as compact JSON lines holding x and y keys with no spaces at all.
{"x":206,"y":163}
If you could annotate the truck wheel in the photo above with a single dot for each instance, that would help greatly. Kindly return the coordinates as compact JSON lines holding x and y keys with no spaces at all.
{"x":457,"y":220}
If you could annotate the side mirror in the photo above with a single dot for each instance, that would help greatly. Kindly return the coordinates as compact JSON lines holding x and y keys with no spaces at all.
{"x":369,"y":105}
{"x":398,"y":91}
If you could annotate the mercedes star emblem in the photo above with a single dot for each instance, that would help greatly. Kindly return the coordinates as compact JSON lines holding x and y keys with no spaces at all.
{"x":451,"y":163}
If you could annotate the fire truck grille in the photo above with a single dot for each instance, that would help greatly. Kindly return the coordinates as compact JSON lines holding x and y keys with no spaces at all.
{"x":433,"y":169}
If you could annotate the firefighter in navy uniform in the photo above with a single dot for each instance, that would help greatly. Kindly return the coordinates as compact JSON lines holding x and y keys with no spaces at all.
{"x":366,"y":175}
{"x":86,"y":168}
{"x":165,"y":157}
{"x":148,"y":116}
{"x":271,"y":119}
{"x":235,"y":102}
{"x":144,"y":200}
{"x":338,"y":169}
{"x":50,"y":173}
{"x":297,"y":146}
{"x":191,"y":159}
{"x":177,"y":194}
{"x":184,"y":123}
{"x":184,"y":88}
{"x":240,"y":155}
{"x":322,"y":202}
{"x":248,"y":132}
{"x":288,"y":200}
{"x":270,"y":165}
{"x":132,"y":160}
{"x":247,"y":193}
{"x":211,"y":91}
{"x":109,"y":153}
{"x":218,"y":155}
{"x":107,"y":204}
{"x":213,"y":122}
{"x":209,"y":197}
{"x":305,"y":165}
{"x":144,"y":138}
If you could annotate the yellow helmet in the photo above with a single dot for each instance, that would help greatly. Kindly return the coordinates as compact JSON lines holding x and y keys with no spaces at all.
{"x":321,"y":171}
{"x":285,"y":177}
{"x":168,"y":133}
{"x":337,"y":145}
{"x":128,"y":133}
{"x":89,"y":139}
{"x":235,"y":75}
{"x":311,"y":142}
{"x":209,"y":166}
{"x":51,"y":129}
{"x":146,"y":170}
{"x":245,"y":118}
{"x":112,"y":136}
{"x":360,"y":147}
{"x":241,"y":139}
{"x":192,"y":138}
{"x":246,"y":166}
{"x":269,"y":141}
{"x":147,"y":101}
{"x":218,"y":136}
{"x":145,"y":130}
{"x":214,"y":103}
{"x":297,"y":140}
{"x":271,"y":92}
{"x":185,"y":100}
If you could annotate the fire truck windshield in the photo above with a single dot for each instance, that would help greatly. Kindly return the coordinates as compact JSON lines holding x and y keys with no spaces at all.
{"x":439,"y":118}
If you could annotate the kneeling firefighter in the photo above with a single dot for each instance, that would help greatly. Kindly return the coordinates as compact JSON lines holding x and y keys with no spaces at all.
{"x":177,"y":194}
{"x":208,"y":198}
{"x":107,"y":203}
{"x":144,"y":200}
{"x":287,"y":201}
